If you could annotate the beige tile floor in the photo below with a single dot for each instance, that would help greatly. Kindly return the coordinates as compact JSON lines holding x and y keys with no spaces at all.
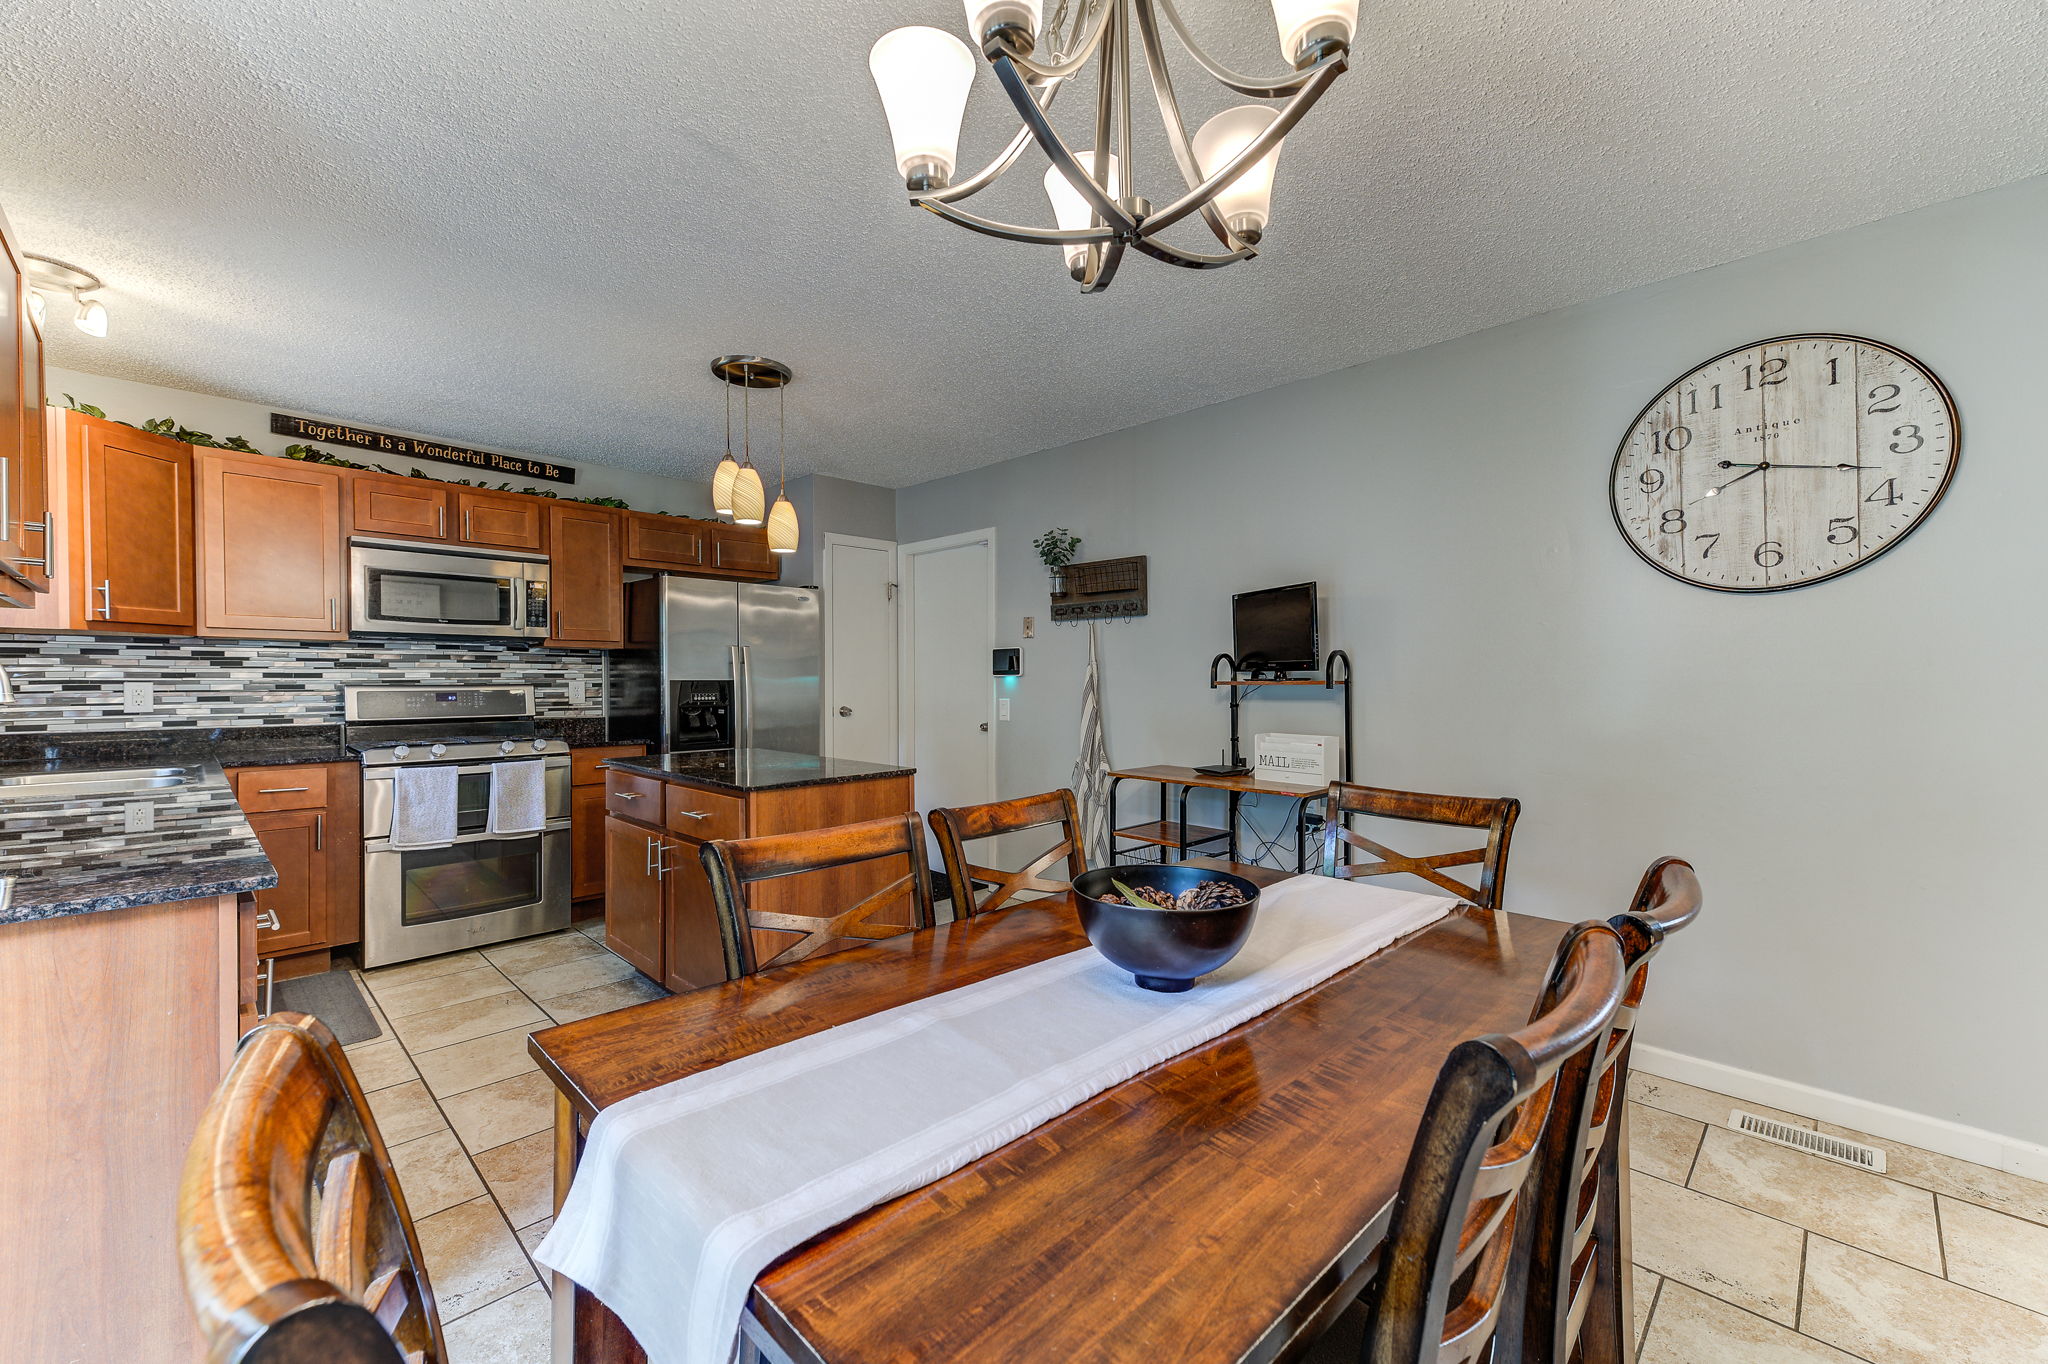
{"x":1746,"y":1252}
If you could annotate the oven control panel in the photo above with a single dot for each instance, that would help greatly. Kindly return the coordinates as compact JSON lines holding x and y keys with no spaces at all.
{"x":436,"y":703}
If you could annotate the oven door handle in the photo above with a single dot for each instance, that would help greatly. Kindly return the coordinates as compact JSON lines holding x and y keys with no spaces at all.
{"x":382,"y":845}
{"x":551,"y":761}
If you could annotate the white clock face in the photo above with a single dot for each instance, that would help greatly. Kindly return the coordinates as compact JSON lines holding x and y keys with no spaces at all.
{"x":1784,"y":463}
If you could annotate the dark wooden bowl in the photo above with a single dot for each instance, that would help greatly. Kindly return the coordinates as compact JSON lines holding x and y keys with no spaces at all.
{"x":1164,"y":949}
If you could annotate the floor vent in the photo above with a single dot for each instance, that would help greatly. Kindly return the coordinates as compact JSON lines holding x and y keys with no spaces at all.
{"x":1854,"y":1153}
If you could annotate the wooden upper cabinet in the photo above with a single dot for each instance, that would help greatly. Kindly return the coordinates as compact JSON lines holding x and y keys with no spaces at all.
{"x":743,"y":551}
{"x":21,"y":439}
{"x":135,"y":508}
{"x":664,"y":541}
{"x":30,"y":513}
{"x":273,"y":562}
{"x":392,"y":504}
{"x":500,"y":520}
{"x":585,"y":577}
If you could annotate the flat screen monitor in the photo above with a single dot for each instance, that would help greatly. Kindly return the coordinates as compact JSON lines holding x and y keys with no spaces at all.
{"x":1275,"y":630}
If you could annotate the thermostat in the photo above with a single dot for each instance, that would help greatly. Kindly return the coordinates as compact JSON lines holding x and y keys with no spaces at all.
{"x":1009,"y":663}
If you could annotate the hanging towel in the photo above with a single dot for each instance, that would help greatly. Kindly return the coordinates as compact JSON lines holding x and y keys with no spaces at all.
{"x":423,"y":807}
{"x":519,"y":803}
{"x":1091,"y":769}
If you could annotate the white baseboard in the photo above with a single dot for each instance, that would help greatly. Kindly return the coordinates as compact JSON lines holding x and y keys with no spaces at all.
{"x":2024,"y":1158}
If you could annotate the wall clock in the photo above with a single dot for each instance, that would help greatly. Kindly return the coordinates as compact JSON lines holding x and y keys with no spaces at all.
{"x":1784,"y":463}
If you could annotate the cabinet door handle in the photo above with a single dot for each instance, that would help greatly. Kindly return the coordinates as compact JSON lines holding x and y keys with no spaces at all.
{"x":280,"y":790}
{"x":650,"y":854}
{"x":440,"y":520}
{"x":267,"y":921}
{"x":334,"y":613}
{"x":320,"y":832}
{"x":694,"y":814}
{"x":626,"y":795}
{"x":7,"y":497}
{"x":106,"y":591}
{"x":661,"y":866}
{"x":465,"y":523}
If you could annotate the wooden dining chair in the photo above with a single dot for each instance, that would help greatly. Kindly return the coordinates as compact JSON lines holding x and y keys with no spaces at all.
{"x":293,"y":1234}
{"x":1495,"y":814}
{"x":956,"y":828}
{"x":735,"y":864}
{"x":1580,"y":1294}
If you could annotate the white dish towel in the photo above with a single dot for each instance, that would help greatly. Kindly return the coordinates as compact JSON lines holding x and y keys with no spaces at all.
{"x":519,"y":801}
{"x":423,"y":807}
{"x":686,"y":1192}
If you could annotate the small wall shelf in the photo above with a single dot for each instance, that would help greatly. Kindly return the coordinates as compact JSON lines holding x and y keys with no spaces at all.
{"x":1105,"y":589}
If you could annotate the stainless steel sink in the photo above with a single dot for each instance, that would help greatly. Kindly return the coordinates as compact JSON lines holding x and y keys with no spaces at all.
{"x":102,"y":782}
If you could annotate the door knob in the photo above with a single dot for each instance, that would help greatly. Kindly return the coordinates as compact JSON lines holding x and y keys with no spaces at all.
{"x":984,"y":726}
{"x":845,"y":711}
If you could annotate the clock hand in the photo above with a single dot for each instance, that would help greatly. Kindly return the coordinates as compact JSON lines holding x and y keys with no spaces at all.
{"x":1730,"y":464}
{"x":1716,"y":492}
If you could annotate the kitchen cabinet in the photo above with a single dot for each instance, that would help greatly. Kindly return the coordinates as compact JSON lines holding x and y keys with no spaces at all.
{"x":421,"y":509}
{"x":742,"y":551}
{"x":586,"y":816}
{"x":392,"y":504}
{"x":21,"y":434}
{"x":586,"y":589}
{"x":255,"y":582}
{"x":501,"y":521}
{"x":134,"y":505}
{"x":670,"y":542}
{"x":309,"y":820}
{"x":633,"y":895}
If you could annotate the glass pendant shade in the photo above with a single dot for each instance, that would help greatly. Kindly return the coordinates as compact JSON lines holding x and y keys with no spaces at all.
{"x":749,"y":498}
{"x":1248,"y":202}
{"x":923,"y":75}
{"x":987,"y":16}
{"x":782,"y":527}
{"x":1069,"y":209}
{"x":92,"y":317}
{"x":1303,"y":23}
{"x":721,"y":484}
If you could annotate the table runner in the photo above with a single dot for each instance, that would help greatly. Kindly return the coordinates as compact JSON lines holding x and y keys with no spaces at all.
{"x":686,"y":1192}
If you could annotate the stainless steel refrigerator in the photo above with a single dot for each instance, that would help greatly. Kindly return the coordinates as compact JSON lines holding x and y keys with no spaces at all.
{"x":718,"y":665}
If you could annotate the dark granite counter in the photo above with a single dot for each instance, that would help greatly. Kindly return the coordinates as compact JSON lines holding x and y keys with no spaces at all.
{"x":80,"y":855}
{"x":755,"y":769}
{"x":235,"y":746}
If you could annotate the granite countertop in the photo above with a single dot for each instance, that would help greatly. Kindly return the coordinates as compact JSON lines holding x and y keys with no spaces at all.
{"x":234,"y":746}
{"x":755,"y":769}
{"x":73,"y":855}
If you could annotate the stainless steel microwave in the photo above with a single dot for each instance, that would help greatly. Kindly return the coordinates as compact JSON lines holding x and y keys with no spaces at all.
{"x":401,"y":588}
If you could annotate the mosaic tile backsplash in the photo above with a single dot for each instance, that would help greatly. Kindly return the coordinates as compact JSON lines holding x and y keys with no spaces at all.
{"x":73,"y":682}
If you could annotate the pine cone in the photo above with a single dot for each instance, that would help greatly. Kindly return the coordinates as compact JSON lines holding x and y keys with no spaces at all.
{"x":1210,"y":895}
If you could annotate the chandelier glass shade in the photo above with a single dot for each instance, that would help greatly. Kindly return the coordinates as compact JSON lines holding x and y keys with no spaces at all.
{"x":749,"y":498}
{"x":742,"y":494}
{"x":721,"y":484}
{"x":782,"y":530}
{"x":1225,"y":170}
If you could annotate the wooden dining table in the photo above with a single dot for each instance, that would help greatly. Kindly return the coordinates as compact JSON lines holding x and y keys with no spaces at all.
{"x":1222,"y":1206}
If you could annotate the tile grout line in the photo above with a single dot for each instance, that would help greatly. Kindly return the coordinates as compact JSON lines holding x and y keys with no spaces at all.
{"x":1749,"y":1312}
{"x":1650,"y":1317}
{"x":1799,"y":1294}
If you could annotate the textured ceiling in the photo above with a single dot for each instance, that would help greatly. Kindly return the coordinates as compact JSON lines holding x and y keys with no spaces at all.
{"x":530,"y":225}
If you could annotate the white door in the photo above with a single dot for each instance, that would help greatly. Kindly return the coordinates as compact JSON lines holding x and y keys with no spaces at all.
{"x":859,"y":578}
{"x":947,"y":593}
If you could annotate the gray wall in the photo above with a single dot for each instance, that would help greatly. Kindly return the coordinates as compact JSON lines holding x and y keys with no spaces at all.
{"x":1855,"y":768}
{"x":825,"y":504}
{"x":125,"y":400}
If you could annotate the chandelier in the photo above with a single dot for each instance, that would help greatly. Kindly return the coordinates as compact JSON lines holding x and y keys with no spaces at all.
{"x":736,"y":487}
{"x":1227,"y":167}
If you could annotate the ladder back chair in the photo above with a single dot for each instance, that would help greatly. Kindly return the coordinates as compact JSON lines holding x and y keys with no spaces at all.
{"x":1495,"y":814}
{"x":292,"y":1231}
{"x":1579,"y":1282}
{"x":1448,"y":1290}
{"x":735,"y":864}
{"x":956,"y":828}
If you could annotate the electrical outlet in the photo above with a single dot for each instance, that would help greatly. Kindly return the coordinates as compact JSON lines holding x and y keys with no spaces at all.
{"x":1002,"y":708}
{"x":139,"y":818}
{"x":138,"y":698}
{"x":1030,"y":627}
{"x":579,"y":691}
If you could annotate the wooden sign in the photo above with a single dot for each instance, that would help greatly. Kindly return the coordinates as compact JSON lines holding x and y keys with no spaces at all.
{"x":412,"y":447}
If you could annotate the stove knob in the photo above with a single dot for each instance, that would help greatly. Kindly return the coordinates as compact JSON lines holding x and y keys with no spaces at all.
{"x":438,"y":749}
{"x":401,"y":750}
{"x":540,"y":745}
{"x":505,"y":747}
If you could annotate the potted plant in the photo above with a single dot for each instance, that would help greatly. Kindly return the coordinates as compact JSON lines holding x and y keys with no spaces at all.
{"x":1056,"y":549}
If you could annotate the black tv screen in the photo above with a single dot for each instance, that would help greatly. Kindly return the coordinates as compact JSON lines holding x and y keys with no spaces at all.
{"x":1275,"y":630}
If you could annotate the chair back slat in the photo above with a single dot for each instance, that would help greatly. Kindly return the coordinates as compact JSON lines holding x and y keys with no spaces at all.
{"x":293,"y":1233}
{"x":1448,"y":1289}
{"x":1495,"y":814}
{"x":1579,"y":1289}
{"x":959,"y":826}
{"x":735,"y":864}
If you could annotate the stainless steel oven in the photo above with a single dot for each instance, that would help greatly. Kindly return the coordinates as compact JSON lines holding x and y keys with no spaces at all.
{"x":478,"y":887}
{"x":409,"y":589}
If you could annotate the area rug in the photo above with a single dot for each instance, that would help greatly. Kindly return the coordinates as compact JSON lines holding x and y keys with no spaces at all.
{"x":335,"y":999}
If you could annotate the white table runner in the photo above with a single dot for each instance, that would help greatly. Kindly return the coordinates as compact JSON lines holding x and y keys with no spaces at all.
{"x":688,"y":1191}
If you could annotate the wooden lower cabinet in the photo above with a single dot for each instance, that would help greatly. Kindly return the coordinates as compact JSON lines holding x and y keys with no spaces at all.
{"x":586,"y":817}
{"x":114,"y":1030}
{"x":632,"y":896}
{"x":309,"y":821}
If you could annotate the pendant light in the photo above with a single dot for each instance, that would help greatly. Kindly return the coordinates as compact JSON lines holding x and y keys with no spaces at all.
{"x":749,"y":498}
{"x":728,"y":468}
{"x":782,"y":531}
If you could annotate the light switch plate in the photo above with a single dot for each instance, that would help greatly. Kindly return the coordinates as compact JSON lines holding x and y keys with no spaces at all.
{"x":138,"y":698}
{"x":1031,"y":627}
{"x":1002,"y":708}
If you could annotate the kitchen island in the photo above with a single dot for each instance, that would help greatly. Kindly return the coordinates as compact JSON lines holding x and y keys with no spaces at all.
{"x":128,"y":948}
{"x":661,"y":810}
